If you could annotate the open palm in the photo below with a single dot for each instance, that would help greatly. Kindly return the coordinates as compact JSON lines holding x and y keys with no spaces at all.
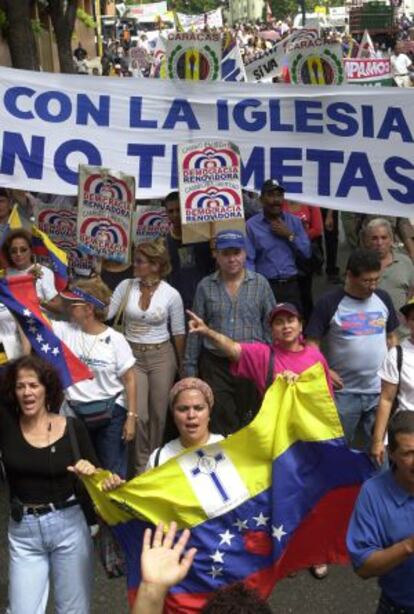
{"x":163,"y":562}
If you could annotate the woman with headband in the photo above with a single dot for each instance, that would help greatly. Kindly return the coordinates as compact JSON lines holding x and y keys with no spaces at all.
{"x":107,"y":403}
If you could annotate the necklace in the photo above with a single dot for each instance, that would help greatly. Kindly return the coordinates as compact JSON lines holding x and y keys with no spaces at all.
{"x":85,"y":349}
{"x":149,"y":283}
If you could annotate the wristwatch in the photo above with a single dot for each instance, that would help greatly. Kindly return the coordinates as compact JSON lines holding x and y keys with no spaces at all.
{"x":291,"y":237}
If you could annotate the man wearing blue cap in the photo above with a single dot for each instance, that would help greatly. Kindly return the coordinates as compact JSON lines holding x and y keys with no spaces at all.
{"x":275,"y":238}
{"x":235,"y":302}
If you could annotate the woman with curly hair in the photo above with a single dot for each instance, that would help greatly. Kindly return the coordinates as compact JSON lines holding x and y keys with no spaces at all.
{"x":48,"y":534}
{"x":153,"y":320}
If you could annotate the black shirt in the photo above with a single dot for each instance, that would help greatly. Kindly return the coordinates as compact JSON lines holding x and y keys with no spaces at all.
{"x":40,"y":475}
{"x":190,"y":263}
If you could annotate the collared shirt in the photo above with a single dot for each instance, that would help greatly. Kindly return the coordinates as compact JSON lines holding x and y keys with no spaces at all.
{"x":273,"y":256}
{"x":383,"y":515}
{"x":242,"y":317}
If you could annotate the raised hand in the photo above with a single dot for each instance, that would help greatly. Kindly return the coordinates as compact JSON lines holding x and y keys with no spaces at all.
{"x":162,"y":562}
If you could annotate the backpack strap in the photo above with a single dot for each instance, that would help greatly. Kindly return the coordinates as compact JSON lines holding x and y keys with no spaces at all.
{"x":270,"y":368}
{"x":157,"y":457}
{"x":399,"y":362}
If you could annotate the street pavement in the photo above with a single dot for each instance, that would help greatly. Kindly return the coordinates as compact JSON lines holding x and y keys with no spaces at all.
{"x":341,"y":592}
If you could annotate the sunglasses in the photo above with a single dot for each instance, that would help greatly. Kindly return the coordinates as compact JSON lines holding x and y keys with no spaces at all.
{"x":19,"y":250}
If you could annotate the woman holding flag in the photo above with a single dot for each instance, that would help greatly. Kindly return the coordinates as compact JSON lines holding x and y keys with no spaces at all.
{"x":17,"y":252}
{"x":48,"y":534}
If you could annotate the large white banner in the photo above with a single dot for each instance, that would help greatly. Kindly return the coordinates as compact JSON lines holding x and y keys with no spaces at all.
{"x":343,"y":147}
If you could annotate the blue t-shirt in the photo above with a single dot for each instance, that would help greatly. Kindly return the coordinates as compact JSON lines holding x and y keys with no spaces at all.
{"x":356,"y":336}
{"x":384,"y":515}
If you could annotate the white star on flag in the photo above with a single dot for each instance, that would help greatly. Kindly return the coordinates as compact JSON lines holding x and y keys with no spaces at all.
{"x":39,"y":338}
{"x":261,"y":520}
{"x":33,"y":329}
{"x":215,"y":571}
{"x":55,"y":351}
{"x":27,"y":313}
{"x":31,"y":321}
{"x":278,"y":532}
{"x":240,"y":524}
{"x":217,"y":556}
{"x":45,"y":348}
{"x":226,"y":538}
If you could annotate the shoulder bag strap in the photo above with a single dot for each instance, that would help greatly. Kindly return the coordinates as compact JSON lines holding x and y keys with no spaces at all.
{"x":399,"y":364}
{"x":119,"y":317}
{"x":157,"y":457}
{"x":270,"y":368}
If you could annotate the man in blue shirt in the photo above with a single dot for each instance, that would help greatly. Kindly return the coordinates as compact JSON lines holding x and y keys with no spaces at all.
{"x":380,"y":536}
{"x":274,"y":240}
{"x":235,"y":302}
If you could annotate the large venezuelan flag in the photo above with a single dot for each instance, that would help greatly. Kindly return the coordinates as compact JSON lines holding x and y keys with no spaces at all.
{"x":19,"y":295}
{"x":44,"y":247}
{"x":273,"y":498}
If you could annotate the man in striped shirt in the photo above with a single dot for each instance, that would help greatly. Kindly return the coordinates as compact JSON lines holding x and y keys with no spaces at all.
{"x":233,"y":301}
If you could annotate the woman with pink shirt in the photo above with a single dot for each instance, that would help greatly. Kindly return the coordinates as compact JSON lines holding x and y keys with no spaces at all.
{"x":288,"y":356}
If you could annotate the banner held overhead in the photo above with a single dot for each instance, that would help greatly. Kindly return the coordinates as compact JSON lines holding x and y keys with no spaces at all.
{"x":348,"y":148}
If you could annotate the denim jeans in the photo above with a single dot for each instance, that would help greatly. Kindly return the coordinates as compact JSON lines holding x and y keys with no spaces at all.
{"x":109,"y":445}
{"x":355,"y":408}
{"x":57,"y":544}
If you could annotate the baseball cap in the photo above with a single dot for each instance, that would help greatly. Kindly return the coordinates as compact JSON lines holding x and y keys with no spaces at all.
{"x":405,"y":309}
{"x":270,"y":185}
{"x":284,"y":308}
{"x":230,"y":238}
{"x":80,"y":296}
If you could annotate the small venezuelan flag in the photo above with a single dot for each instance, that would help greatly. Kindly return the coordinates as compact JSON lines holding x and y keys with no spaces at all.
{"x":43,"y":246}
{"x":19,"y":295}
{"x":269,"y":500}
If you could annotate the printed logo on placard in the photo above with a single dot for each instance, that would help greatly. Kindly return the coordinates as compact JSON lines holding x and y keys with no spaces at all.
{"x":195,"y":64}
{"x":107,"y":193}
{"x":323,"y":68}
{"x":213,"y":198}
{"x":152,"y":224}
{"x":103,"y":236}
{"x":57,"y":223}
{"x":209,"y":158}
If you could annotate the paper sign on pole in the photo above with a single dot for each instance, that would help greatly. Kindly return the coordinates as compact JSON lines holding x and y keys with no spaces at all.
{"x":210,"y":189}
{"x":316,"y":64}
{"x":195,"y":56}
{"x":368,"y":71}
{"x":105,"y":203}
{"x":149,"y":223}
{"x":59,"y":223}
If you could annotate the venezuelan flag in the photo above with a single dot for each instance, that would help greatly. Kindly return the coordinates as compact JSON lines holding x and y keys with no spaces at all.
{"x":269,"y":500}
{"x":19,"y":295}
{"x":43,"y":246}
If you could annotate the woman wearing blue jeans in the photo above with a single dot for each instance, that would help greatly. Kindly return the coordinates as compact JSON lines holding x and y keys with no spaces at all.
{"x":48,"y":534}
{"x":107,"y":403}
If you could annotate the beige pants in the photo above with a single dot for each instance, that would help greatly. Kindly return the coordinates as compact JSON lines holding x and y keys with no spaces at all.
{"x":403,"y":81}
{"x":156,"y":369}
